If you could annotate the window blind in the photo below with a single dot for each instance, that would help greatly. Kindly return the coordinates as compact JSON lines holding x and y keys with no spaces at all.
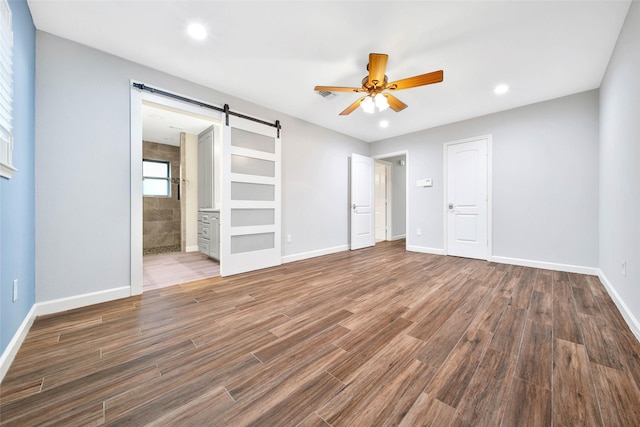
{"x":6,"y":90}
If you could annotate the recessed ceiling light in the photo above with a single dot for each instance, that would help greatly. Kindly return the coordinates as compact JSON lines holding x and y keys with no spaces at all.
{"x":197,"y":31}
{"x":500,"y":89}
{"x":384,"y":123}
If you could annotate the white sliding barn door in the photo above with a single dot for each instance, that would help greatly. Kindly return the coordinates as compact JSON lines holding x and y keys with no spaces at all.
{"x":362,"y":202}
{"x":250,"y":237}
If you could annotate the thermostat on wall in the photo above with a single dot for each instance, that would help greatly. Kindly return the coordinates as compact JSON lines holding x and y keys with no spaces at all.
{"x":424,"y":183}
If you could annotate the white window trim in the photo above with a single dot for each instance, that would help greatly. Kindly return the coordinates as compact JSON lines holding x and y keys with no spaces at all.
{"x":6,"y":80}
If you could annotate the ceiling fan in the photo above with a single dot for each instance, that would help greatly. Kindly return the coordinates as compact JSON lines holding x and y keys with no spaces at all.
{"x":377,"y":85}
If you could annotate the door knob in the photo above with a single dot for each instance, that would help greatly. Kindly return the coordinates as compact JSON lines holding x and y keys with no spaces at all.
{"x":354,"y":206}
{"x":450,"y":205}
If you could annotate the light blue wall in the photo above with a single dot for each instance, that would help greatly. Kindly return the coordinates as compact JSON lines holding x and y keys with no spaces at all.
{"x":17,"y":195}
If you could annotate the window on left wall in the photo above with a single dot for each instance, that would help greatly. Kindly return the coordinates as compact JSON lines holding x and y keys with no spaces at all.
{"x":6,"y":91}
{"x":156,"y":178}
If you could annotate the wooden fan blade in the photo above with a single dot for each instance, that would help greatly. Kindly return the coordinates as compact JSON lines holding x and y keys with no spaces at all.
{"x":421,"y":80}
{"x":377,"y":67}
{"x":351,"y":108}
{"x":394,"y":103}
{"x":338,"y":89}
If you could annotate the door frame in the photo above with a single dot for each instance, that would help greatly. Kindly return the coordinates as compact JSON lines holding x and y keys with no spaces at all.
{"x":445,"y":191}
{"x":404,"y":153}
{"x":137,"y":97}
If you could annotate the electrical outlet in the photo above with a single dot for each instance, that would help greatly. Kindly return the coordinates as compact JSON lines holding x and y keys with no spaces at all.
{"x":419,"y":231}
{"x":289,"y":238}
{"x":624,"y":268}
{"x":15,"y":290}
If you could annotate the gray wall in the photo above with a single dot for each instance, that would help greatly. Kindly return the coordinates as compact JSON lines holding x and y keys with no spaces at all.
{"x":316,"y":187}
{"x":82,"y":168}
{"x":545,"y":180}
{"x":620,"y":165}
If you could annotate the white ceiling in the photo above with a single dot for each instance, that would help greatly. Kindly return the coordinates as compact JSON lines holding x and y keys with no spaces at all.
{"x":274,"y":52}
{"x":163,"y":125}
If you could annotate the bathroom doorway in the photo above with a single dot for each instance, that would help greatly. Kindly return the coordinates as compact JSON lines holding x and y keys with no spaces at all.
{"x":170,"y":198}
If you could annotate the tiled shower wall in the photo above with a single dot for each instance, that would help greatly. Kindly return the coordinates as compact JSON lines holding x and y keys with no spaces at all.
{"x":161,"y":215}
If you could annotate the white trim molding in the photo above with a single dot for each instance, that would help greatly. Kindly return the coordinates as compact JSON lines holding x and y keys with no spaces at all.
{"x":632,"y":321}
{"x":69,"y":303}
{"x":425,"y":250}
{"x":398,"y":237}
{"x":14,"y":345}
{"x":593,"y":271}
{"x":313,"y":254}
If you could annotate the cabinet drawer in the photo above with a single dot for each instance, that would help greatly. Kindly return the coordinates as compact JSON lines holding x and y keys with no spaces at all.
{"x":203,"y":245}
{"x":206,"y":231}
{"x":204,"y":217}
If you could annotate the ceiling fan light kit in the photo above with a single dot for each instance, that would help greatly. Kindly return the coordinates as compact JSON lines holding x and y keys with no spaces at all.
{"x":377,"y":83}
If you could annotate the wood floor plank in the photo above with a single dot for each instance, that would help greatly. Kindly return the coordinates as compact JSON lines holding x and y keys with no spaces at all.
{"x":544,"y":281}
{"x":489,"y":313}
{"x":484,"y":401}
{"x":535,"y":358}
{"x":562,"y":290}
{"x":508,"y":334}
{"x":445,"y":339}
{"x":453,"y":377}
{"x":565,"y":322}
{"x":529,"y":406}
{"x":601,"y":343}
{"x":301,"y":403}
{"x":541,"y":309}
{"x":197,"y":411}
{"x":574,"y":398}
{"x":367,"y":379}
{"x":396,"y":398}
{"x":313,"y":420}
{"x":281,"y":345}
{"x":631,"y":350}
{"x":428,"y":412}
{"x":521,"y":295}
{"x":585,"y":301}
{"x":337,"y":340}
{"x":618,"y":396}
{"x":240,"y":386}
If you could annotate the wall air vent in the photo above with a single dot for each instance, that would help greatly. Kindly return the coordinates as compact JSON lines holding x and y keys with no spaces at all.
{"x":326,"y":94}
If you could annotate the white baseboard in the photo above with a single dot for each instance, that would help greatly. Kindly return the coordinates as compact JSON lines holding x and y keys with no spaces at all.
{"x":191,"y":248}
{"x":10,"y":352}
{"x":631,"y":320}
{"x":400,"y":237}
{"x":545,"y":265}
{"x":313,"y":254}
{"x":69,"y":303}
{"x":425,"y":250}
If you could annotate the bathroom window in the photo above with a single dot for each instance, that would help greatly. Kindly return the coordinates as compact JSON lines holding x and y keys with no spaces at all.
{"x":156,"y":178}
{"x":6,"y":91}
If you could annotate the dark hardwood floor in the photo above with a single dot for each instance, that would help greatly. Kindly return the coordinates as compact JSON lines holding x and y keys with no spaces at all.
{"x":378,"y":336}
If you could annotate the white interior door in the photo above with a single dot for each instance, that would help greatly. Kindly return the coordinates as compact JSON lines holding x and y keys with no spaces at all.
{"x":362,"y":202}
{"x":250,"y":235}
{"x":381,"y":201}
{"x":467,"y":184}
